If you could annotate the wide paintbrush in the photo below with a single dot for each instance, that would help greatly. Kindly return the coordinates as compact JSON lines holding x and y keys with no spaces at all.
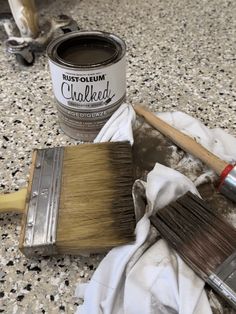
{"x":79,"y":199}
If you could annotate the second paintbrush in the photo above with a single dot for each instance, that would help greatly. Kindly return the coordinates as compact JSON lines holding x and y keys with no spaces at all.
{"x":206,"y":241}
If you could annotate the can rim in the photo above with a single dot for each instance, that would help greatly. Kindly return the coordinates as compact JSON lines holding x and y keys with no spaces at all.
{"x":118,"y":43}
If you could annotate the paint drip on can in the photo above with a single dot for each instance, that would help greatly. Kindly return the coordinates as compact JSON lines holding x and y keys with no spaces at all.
{"x":88,"y":73}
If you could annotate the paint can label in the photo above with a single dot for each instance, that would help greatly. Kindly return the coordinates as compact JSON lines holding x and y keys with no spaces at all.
{"x":90,"y":89}
{"x":87,"y":99}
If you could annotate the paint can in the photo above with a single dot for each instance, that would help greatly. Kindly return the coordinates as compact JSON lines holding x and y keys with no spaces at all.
{"x":88,"y":73}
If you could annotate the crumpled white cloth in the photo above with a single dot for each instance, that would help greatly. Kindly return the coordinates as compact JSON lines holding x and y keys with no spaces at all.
{"x":119,"y":126}
{"x":215,"y":140}
{"x":147,"y":276}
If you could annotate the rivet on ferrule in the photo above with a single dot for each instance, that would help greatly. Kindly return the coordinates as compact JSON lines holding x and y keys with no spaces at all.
{"x":38,"y":165}
{"x":35,"y":193}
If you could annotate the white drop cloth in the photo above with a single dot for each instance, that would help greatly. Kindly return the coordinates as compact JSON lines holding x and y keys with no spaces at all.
{"x":148,"y":277}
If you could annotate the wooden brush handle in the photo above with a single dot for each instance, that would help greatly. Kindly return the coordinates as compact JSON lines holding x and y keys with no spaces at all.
{"x":13,"y":202}
{"x":182,"y":140}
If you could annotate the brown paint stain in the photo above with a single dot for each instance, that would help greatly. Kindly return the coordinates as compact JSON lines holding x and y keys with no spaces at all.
{"x":149,"y":147}
{"x":216,"y":200}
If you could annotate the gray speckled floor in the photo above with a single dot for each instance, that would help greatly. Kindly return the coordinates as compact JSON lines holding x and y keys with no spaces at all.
{"x":181,"y":56}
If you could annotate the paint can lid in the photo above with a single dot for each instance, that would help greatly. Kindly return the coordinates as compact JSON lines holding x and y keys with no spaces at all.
{"x":83,"y":49}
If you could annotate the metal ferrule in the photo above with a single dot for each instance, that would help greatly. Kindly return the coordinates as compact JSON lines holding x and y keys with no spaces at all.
{"x":223,"y":280}
{"x":41,"y":224}
{"x":228,"y":186}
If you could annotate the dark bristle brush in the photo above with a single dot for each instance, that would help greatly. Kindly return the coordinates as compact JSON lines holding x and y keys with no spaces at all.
{"x":204,"y":239}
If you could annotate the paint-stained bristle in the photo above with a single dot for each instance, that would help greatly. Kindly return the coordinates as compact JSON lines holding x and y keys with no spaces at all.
{"x":96,"y":210}
{"x":197,"y":233}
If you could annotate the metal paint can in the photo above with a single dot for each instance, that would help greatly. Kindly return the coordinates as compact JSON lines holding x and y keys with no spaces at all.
{"x":88,"y":72}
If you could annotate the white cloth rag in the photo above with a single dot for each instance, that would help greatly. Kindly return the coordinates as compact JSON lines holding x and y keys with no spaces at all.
{"x":147,"y":276}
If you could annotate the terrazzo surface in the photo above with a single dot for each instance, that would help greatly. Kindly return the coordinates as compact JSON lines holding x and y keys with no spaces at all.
{"x":180,"y":56}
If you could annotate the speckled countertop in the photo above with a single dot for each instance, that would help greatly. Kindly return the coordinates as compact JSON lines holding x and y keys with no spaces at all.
{"x":181,"y":56}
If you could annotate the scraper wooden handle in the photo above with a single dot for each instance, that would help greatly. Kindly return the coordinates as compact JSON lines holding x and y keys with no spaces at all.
{"x":13,"y":202}
{"x":182,"y":140}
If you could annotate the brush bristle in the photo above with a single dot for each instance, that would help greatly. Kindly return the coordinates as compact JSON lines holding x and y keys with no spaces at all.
{"x":96,"y":210}
{"x":200,"y":236}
